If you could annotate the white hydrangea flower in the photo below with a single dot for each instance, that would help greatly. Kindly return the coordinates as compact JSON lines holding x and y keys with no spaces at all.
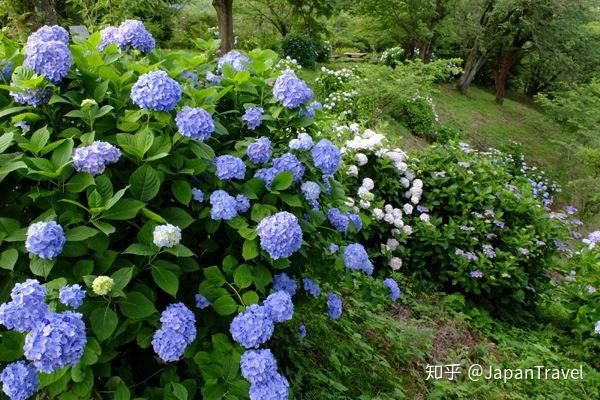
{"x":361,"y":159}
{"x":364,"y":204}
{"x":368,"y":183}
{"x":166,"y":235}
{"x":378,"y":213}
{"x":408,"y":209}
{"x":353,"y":170}
{"x":407,"y":229}
{"x":424,"y":217}
{"x":392,"y":244}
{"x":395,"y":263}
{"x":102,"y":285}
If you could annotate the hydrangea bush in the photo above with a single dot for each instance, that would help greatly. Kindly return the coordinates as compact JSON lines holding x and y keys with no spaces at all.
{"x":157,"y":220}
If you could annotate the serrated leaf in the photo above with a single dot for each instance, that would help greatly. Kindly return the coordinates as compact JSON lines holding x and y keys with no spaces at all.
{"x":80,"y":233}
{"x":225,"y":305}
{"x":103,"y":322}
{"x":165,"y":279}
{"x":243,"y":276}
{"x":137,"y":306}
{"x":41,"y":267}
{"x":144,"y":183}
{"x":282,"y":181}
{"x":8,"y":259}
{"x":250,"y":249}
{"x":182,"y":191}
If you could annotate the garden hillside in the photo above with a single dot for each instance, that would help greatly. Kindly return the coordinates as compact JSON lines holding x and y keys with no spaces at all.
{"x":290,"y":199}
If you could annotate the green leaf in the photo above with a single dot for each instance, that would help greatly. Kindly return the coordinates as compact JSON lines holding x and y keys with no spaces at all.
{"x":243,"y":276}
{"x":8,"y":259}
{"x":214,"y":276}
{"x":6,"y":141}
{"x":11,"y":346}
{"x":137,"y":306}
{"x":202,"y":150}
{"x":122,"y":392}
{"x":225,"y":305}
{"x":166,"y":280}
{"x":283,"y":180}
{"x":121,"y":278}
{"x":140,"y":249}
{"x":291,"y":199}
{"x":250,"y":249}
{"x":80,"y":182}
{"x":179,"y":391}
{"x":145,"y":183}
{"x":182,"y":191}
{"x":180,"y":251}
{"x":105,"y":227}
{"x":80,"y":233}
{"x":124,"y":209}
{"x":177,"y":217}
{"x":62,"y":154}
{"x":100,"y":91}
{"x":250,"y":297}
{"x":41,"y":267}
{"x":103,"y":322}
{"x":153,"y":216}
{"x":39,"y":139}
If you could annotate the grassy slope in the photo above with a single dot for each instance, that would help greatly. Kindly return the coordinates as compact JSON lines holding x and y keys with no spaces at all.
{"x":487,"y":123}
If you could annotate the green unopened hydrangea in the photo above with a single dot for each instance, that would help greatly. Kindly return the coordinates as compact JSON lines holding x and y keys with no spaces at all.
{"x":102,"y":285}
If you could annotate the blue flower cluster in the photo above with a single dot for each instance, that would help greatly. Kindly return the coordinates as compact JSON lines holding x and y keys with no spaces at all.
{"x":47,"y":33}
{"x":238,"y":61}
{"x":311,"y":191}
{"x":94,"y":158}
{"x":394,"y":289}
{"x":282,"y":282}
{"x":311,"y":109}
{"x":72,"y":296}
{"x":356,"y":257}
{"x":326,"y":156}
{"x":230,"y":167}
{"x":252,"y":327}
{"x":6,"y":71}
{"x":109,"y":35}
{"x":311,"y":287}
{"x":156,"y":91}
{"x":33,"y":97}
{"x":52,"y":59}
{"x":57,"y":341}
{"x":223,"y":205}
{"x":201,"y":301}
{"x":252,"y":117}
{"x":287,"y":162}
{"x":339,"y":220}
{"x":190,"y":76}
{"x":197,"y":195}
{"x":280,"y":235}
{"x":291,"y":91}
{"x":334,"y":306}
{"x":133,"y":34}
{"x":242,"y":203}
{"x":19,"y":380}
{"x":302,"y":330}
{"x":195,"y":123}
{"x":275,"y":388}
{"x":45,"y":239}
{"x":260,"y":151}
{"x":26,"y":308}
{"x":303,"y":142}
{"x":177,"y":331}
{"x":356,"y":221}
{"x":258,"y":366}
{"x":279,"y":306}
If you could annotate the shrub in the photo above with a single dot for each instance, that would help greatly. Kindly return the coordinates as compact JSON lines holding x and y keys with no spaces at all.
{"x":152,"y":210}
{"x":418,"y":114}
{"x":300,"y":48}
{"x":392,"y":56}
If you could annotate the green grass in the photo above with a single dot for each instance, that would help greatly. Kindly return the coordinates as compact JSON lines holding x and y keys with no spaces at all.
{"x":488,"y":124}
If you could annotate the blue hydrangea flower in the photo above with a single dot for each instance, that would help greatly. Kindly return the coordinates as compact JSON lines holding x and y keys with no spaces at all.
{"x":6,"y":71}
{"x":289,"y":162}
{"x":291,"y":91}
{"x":311,"y":287}
{"x":356,"y":257}
{"x":260,"y":151}
{"x":201,"y":301}
{"x":279,"y":306}
{"x":213,"y":78}
{"x":238,"y":61}
{"x":47,"y":33}
{"x":339,"y":220}
{"x":333,"y":247}
{"x":168,"y":344}
{"x":33,"y":97}
{"x":243,"y":203}
{"x":72,"y":296}
{"x":326,"y":156}
{"x":266,"y":174}
{"x":195,"y":123}
{"x":282,"y":282}
{"x":275,"y":388}
{"x":311,"y":191}
{"x":302,"y":331}
{"x":94,"y":158}
{"x":303,"y":142}
{"x":19,"y":380}
{"x":334,"y":306}
{"x":356,"y":220}
{"x":52,"y":59}
{"x":109,"y":35}
{"x":56,"y":342}
{"x":156,"y":91}
{"x":45,"y":239}
{"x":223,"y":205}
{"x":24,"y":126}
{"x":190,"y":76}
{"x":27,"y":307}
{"x":258,"y":365}
{"x":252,"y":117}
{"x":133,"y":34}
{"x":394,"y":289}
{"x":180,"y":319}
{"x":252,"y":327}
{"x":311,"y":109}
{"x":197,"y":195}
{"x":166,"y":235}
{"x":280,"y":235}
{"x":230,"y":167}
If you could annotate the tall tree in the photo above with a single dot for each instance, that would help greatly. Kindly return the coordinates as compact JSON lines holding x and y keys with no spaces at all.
{"x":224,"y":9}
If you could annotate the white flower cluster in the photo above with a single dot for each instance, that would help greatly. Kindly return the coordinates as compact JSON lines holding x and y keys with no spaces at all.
{"x":392,"y":56}
{"x":364,"y":193}
{"x":288,"y":63}
{"x":340,"y":102}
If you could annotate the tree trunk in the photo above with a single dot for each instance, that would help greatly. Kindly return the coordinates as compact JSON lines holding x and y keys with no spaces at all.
{"x":473,"y":64}
{"x":224,"y":9}
{"x":501,"y":75}
{"x":49,"y":12}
